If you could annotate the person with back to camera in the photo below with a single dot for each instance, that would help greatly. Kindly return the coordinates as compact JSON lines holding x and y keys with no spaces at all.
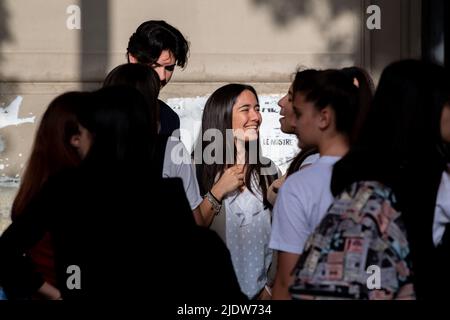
{"x":54,"y":150}
{"x":99,"y":215}
{"x":175,"y":161}
{"x":404,"y":145}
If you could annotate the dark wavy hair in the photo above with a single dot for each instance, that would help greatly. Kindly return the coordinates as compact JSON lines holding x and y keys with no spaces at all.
{"x":154,"y":36}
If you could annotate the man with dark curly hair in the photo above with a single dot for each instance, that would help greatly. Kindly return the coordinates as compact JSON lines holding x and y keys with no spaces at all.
{"x":161,"y":46}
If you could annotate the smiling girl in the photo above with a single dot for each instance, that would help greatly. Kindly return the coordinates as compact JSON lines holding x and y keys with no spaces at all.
{"x":236,"y":187}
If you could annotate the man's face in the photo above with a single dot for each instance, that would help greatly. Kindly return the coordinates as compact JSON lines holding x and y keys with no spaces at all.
{"x":164,"y":66}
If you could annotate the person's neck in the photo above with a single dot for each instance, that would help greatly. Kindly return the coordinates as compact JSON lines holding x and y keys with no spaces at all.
{"x":336,"y":145}
{"x":240,"y":152}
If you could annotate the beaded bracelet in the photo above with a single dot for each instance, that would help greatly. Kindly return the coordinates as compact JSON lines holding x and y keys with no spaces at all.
{"x":216,"y":205}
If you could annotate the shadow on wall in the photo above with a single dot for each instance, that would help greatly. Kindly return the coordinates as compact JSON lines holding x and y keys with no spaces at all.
{"x":94,"y":43}
{"x":8,"y":86}
{"x":7,"y":95}
{"x":285,"y":11}
{"x":5,"y":36}
{"x":328,"y":15}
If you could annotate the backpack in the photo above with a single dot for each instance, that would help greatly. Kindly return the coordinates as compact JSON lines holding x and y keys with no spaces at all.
{"x":358,"y":251}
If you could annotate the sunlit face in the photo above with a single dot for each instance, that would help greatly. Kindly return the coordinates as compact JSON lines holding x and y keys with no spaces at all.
{"x":246,"y":118}
{"x":287,"y":114}
{"x":307,"y":126}
{"x":82,"y":141}
{"x":164,"y":66}
{"x":445,"y":123}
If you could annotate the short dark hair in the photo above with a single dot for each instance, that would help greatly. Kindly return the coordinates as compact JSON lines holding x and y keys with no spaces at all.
{"x":154,"y":36}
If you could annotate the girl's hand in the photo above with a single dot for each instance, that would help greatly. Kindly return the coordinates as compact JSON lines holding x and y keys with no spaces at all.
{"x":231,"y":179}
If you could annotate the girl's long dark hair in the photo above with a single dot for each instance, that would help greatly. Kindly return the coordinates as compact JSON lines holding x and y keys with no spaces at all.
{"x":52,"y":151}
{"x":402,"y":129}
{"x":217,"y":114}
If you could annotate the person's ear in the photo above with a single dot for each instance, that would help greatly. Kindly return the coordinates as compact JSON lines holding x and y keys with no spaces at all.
{"x":75,"y":140}
{"x":325,"y":118}
{"x":132,"y":59}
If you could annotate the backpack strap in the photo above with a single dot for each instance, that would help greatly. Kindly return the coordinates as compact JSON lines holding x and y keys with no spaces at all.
{"x":274,"y":172}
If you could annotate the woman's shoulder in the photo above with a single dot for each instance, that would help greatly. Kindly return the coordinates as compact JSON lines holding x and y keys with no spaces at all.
{"x":306,"y":180}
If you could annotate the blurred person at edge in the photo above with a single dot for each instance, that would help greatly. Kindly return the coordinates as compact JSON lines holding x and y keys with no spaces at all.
{"x":99,"y":215}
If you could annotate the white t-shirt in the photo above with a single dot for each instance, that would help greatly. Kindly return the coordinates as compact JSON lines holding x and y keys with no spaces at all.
{"x":302,"y":202}
{"x":310,"y":159}
{"x":442,"y":210}
{"x":178,"y":164}
{"x":247,"y":238}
